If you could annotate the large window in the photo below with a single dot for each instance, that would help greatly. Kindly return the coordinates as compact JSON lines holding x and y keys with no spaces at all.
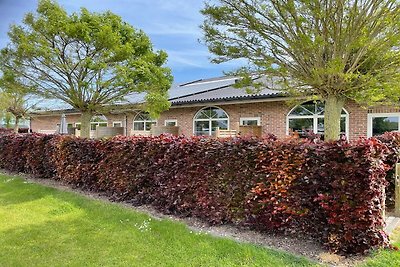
{"x":143,"y":122}
{"x":379,"y":123}
{"x":309,"y":118}
{"x":208,"y":119}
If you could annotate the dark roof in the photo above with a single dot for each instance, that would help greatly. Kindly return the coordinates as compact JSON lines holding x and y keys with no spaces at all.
{"x":213,"y":90}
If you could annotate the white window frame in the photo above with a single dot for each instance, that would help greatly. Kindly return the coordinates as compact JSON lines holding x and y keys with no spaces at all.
{"x":315,"y":118}
{"x":144,"y":124}
{"x":258,"y":119}
{"x":379,"y":115}
{"x":97,"y":124}
{"x":168,"y":121}
{"x":210,"y":130}
{"x":115,"y":122}
{"x":78,"y":123}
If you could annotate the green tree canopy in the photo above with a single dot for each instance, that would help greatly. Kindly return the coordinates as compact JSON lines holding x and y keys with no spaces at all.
{"x":88,"y":60}
{"x":338,"y":50}
{"x":16,"y":100}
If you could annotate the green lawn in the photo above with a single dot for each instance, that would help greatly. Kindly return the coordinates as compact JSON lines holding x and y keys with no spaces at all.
{"x":386,"y":257}
{"x":41,"y":226}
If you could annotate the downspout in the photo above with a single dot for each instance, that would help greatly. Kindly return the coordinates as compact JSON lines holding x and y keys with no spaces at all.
{"x":126,"y":125}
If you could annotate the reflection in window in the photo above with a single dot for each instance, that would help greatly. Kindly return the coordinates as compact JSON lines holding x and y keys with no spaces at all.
{"x":250,"y":121}
{"x":381,"y":125}
{"x":97,"y":121}
{"x":143,"y":122}
{"x":171,"y":122}
{"x":309,"y":118}
{"x":208,"y":119}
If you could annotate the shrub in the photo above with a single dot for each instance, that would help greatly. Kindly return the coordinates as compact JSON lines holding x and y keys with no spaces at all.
{"x":12,"y":156}
{"x":39,"y":155}
{"x":5,"y":131}
{"x":333,"y":191}
{"x":392,"y":141}
{"x":75,"y":161}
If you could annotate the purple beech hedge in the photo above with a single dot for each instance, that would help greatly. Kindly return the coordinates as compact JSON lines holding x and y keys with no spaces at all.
{"x":331,"y":191}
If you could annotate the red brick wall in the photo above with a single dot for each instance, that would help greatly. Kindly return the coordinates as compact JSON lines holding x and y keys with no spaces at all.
{"x":50,"y":122}
{"x":272,"y":114}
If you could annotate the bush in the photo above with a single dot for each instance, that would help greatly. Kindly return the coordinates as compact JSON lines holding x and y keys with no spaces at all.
{"x":392,"y":141}
{"x":333,"y":191}
{"x":5,"y":131}
{"x":39,"y":153}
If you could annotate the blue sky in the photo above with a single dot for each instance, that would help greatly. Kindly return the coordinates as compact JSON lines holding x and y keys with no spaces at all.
{"x":173,"y":25}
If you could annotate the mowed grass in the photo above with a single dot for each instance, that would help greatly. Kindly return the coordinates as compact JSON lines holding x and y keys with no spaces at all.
{"x":42,"y":226}
{"x":384,"y":257}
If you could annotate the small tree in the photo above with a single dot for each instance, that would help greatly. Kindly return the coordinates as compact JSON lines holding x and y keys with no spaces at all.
{"x":338,"y":50}
{"x":88,"y":60}
{"x":15,"y":99}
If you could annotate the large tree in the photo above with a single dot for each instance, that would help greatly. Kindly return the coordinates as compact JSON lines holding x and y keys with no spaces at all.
{"x":337,"y":50}
{"x":88,"y":60}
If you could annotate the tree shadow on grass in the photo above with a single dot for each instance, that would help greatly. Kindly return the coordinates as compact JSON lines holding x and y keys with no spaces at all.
{"x":16,"y":190}
{"x":66,"y":229}
{"x":78,"y":242}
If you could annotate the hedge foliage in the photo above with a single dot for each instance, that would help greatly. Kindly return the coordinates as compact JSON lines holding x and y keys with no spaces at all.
{"x":392,"y":141}
{"x":332,"y":191}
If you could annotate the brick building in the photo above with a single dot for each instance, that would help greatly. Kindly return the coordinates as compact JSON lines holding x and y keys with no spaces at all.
{"x":199,"y":107}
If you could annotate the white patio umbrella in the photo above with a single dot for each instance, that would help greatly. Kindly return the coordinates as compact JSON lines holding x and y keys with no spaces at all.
{"x":63,"y":125}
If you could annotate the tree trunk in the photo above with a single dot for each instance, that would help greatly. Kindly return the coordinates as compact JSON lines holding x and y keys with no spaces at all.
{"x":85,"y":124}
{"x":333,"y":110}
{"x":16,"y":127}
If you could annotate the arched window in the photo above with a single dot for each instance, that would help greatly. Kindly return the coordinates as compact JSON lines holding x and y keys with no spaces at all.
{"x":309,"y":118}
{"x":143,"y":122}
{"x":207,"y":120}
{"x":96,"y":121}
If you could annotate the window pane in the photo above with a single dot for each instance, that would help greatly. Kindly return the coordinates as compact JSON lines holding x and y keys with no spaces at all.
{"x":381,"y":125}
{"x":249,"y":122}
{"x":202,"y":128}
{"x":222,"y":124}
{"x":320,"y":108}
{"x":138,"y":126}
{"x":202,"y":115}
{"x":142,"y":116}
{"x":102,"y":124}
{"x":301,"y":126}
{"x":321,"y":126}
{"x":310,"y":106}
{"x":101,"y":118}
{"x":214,"y":113}
{"x":170,"y":123}
{"x":117,"y":124}
{"x":78,"y":126}
{"x":148,"y":125}
{"x":219,"y":113}
{"x":93,"y":126}
{"x":70,"y":125}
{"x":300,"y":111}
{"x":343,"y":125}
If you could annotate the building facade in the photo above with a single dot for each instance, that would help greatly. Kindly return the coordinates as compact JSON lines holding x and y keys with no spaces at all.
{"x":198,"y":108}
